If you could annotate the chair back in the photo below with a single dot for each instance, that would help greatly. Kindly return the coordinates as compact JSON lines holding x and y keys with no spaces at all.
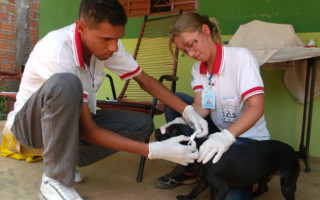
{"x":154,"y":57}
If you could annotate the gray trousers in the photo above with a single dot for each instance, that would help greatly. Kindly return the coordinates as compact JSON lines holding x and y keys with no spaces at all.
{"x":50,"y":120}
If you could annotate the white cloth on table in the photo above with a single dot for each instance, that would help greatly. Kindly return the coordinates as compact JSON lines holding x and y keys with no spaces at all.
{"x":276,"y":46}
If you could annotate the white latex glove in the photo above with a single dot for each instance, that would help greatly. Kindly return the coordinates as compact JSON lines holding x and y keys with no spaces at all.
{"x":216,"y":144}
{"x":177,"y":120}
{"x":172,"y":150}
{"x":194,"y":120}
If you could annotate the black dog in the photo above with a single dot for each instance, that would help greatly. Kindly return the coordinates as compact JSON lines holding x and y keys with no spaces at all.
{"x":242,"y":166}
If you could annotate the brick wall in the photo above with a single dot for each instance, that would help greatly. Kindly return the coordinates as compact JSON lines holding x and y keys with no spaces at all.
{"x":34,"y":21}
{"x":8,"y":36}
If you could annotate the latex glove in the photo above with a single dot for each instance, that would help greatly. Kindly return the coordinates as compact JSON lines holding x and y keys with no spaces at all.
{"x":172,"y":150}
{"x":177,"y":120}
{"x":194,"y":120}
{"x":215,"y":145}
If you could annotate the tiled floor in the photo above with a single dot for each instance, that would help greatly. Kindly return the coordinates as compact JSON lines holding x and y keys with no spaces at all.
{"x":114,"y":179}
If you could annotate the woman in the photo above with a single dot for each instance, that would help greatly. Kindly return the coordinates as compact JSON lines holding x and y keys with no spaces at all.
{"x":228,"y":91}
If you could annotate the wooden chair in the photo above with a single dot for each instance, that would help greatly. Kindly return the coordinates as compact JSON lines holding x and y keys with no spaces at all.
{"x":154,"y":57}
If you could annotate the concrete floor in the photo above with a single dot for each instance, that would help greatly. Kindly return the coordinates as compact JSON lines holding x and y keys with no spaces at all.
{"x":114,"y":179}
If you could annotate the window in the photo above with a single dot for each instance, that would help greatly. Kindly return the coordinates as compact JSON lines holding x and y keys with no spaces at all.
{"x":136,"y":8}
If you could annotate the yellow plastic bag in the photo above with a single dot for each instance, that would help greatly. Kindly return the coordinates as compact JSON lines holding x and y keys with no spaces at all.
{"x":13,"y":149}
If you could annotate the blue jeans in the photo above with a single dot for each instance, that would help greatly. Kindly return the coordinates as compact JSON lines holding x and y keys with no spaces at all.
{"x":170,"y":114}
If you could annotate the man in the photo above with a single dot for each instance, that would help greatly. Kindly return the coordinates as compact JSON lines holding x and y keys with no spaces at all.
{"x":55,"y":107}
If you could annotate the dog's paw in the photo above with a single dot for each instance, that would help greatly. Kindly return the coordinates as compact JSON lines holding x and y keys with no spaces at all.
{"x":183,"y":197}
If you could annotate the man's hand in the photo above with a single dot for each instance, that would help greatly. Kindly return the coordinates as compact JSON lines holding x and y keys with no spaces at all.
{"x":177,"y":120}
{"x":194,"y":120}
{"x":172,"y":150}
{"x":215,"y":146}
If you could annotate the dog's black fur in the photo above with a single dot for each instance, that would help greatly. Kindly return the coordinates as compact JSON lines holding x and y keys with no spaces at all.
{"x":242,"y":166}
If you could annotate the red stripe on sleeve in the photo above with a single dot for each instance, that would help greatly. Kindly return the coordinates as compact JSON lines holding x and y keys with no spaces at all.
{"x":130,"y":74}
{"x":85,"y":96}
{"x":252,"y":90}
{"x":198,"y":87}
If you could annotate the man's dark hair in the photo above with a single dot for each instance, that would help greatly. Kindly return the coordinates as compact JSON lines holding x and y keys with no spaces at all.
{"x":97,"y":11}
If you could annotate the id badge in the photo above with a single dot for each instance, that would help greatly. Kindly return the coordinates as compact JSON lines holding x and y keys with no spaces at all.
{"x":208,"y":98}
{"x":92,"y":100}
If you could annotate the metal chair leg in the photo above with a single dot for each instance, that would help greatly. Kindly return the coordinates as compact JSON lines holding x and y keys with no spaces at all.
{"x":141,"y":167}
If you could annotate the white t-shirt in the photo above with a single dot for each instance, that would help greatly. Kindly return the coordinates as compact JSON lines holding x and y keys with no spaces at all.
{"x":236,"y":77}
{"x":60,"y":51}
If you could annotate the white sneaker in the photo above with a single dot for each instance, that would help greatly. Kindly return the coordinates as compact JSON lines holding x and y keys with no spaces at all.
{"x":53,"y":190}
{"x":79,"y":177}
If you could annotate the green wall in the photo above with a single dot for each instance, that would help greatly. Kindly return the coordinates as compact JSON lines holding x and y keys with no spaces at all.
{"x":302,"y":14}
{"x":283,"y":114}
{"x":56,"y":14}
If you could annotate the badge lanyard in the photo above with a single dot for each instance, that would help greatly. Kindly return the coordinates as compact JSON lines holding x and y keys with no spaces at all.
{"x":92,"y":95}
{"x":210,"y":82}
{"x":208,"y":95}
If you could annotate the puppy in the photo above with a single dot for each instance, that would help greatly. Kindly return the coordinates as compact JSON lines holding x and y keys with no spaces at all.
{"x":242,"y":166}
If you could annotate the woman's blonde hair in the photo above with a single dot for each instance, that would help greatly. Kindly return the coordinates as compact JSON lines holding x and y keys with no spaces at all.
{"x":190,"y":22}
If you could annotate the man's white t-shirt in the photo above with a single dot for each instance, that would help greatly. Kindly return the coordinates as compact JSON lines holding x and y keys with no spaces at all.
{"x":235,"y":78}
{"x":61,"y":51}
